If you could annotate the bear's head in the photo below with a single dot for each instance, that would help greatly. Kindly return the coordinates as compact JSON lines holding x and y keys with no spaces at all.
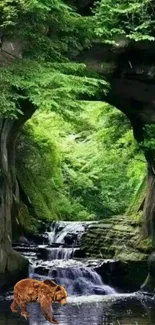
{"x":58,"y":292}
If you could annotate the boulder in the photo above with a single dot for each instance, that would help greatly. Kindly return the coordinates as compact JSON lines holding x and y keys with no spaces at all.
{"x":17,"y":269}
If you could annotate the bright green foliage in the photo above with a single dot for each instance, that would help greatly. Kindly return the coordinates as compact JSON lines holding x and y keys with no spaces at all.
{"x":48,"y":29}
{"x":38,"y":170}
{"x":80,"y":171}
{"x":48,"y":86}
{"x":148,"y":144}
{"x":50,"y":34}
{"x":75,"y":161}
{"x":135,"y":207}
{"x":131,"y":18}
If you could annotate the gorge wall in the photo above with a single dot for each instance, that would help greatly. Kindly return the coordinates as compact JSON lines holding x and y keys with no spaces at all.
{"x":116,"y":238}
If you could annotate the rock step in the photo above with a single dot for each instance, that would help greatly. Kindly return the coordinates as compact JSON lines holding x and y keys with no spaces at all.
{"x":116,"y":237}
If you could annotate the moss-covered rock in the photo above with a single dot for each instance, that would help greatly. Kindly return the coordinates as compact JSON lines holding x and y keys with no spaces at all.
{"x":27,"y":222}
{"x":118,"y":238}
{"x":38,"y":173}
{"x":138,"y":199}
{"x":16,"y":269}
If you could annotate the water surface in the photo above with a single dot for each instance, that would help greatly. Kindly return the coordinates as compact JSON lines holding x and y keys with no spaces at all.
{"x":91,"y":310}
{"x":91,"y":301}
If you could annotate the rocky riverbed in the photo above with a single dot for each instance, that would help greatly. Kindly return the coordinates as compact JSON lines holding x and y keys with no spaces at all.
{"x":101,"y":291}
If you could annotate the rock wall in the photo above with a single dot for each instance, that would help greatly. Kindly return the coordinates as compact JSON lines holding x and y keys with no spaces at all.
{"x":116,"y":238}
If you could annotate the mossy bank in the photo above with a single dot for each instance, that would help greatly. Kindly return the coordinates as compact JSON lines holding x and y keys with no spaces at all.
{"x":116,"y":241}
{"x":117,"y":237}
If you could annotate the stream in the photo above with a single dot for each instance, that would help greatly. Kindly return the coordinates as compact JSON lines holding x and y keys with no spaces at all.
{"x":90,"y":301}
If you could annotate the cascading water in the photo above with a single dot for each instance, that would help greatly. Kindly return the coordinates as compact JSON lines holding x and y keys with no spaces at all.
{"x":66,"y":231}
{"x":59,"y":253}
{"x":61,"y":265}
{"x":86,"y":304}
{"x":80,"y":280}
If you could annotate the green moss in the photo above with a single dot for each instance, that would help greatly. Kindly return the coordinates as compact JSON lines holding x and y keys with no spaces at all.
{"x":27,"y":222}
{"x":68,"y":169}
{"x":138,"y":199}
{"x":32,"y":185}
{"x":130,"y":256}
{"x":118,"y":239}
{"x":39,"y":174}
{"x":145,"y":245}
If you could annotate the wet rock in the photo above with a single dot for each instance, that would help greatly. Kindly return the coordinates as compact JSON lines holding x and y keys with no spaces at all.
{"x":99,"y":290}
{"x":23,"y":241}
{"x":149,"y":284}
{"x":123,"y":275}
{"x":31,"y":240}
{"x":79,"y":253}
{"x":42,"y":270}
{"x":39,"y":239}
{"x":70,"y":239}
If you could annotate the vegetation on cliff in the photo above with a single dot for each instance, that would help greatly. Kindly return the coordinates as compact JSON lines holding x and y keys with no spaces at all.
{"x":38,"y":43}
{"x":41,"y":45}
{"x":87,"y":169}
{"x":133,"y":19}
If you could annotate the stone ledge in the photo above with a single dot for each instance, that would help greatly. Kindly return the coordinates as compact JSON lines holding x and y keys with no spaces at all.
{"x":117,"y":237}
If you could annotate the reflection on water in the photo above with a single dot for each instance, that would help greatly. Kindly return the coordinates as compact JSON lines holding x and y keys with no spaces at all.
{"x":92,"y":310}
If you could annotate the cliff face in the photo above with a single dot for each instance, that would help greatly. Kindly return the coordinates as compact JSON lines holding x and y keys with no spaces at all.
{"x":13,"y":266}
{"x":116,"y":242}
{"x":116,"y":238}
{"x":130,"y":69}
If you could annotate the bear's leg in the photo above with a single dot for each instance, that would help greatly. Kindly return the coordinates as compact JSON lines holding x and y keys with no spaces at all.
{"x":46,"y":310}
{"x":24,"y":312}
{"x":14,"y":306}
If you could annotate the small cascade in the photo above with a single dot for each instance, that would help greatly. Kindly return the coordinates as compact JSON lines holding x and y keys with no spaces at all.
{"x":56,"y":260}
{"x":62,"y":234}
{"x":80,"y":281}
{"x":59,"y":253}
{"x":67,"y":232}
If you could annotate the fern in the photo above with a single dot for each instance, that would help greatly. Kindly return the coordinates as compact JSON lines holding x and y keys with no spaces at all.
{"x":48,"y":86}
{"x":133,"y":18}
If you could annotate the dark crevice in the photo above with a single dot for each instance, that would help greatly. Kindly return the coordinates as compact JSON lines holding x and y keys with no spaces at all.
{"x":83,"y":7}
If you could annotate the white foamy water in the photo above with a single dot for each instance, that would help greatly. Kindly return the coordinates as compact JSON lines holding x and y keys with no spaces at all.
{"x":100,"y":298}
{"x":78,"y":277}
{"x":56,"y":253}
{"x":60,"y":229}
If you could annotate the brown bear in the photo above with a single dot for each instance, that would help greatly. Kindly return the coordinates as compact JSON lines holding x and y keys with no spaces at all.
{"x":44,"y":292}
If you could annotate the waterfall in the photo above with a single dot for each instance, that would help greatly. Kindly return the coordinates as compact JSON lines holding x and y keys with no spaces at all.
{"x":63,"y":268}
{"x":80,"y":281}
{"x":63,"y":230}
{"x":56,"y":260}
{"x":56,"y":253}
{"x":62,"y":234}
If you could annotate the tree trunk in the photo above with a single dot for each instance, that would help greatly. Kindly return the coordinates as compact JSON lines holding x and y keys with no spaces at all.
{"x":12,"y":264}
